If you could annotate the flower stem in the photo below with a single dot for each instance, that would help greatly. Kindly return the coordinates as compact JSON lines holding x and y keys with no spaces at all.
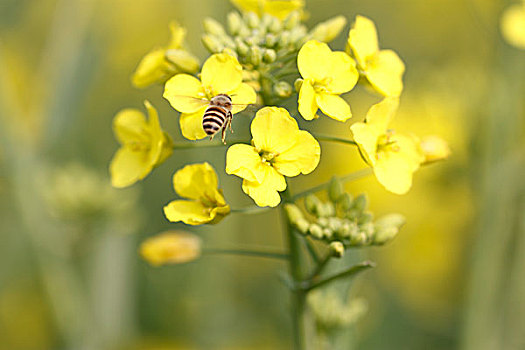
{"x":330,"y":138}
{"x":350,"y":177}
{"x":353,"y":270}
{"x":253,"y":253}
{"x":252,"y":209}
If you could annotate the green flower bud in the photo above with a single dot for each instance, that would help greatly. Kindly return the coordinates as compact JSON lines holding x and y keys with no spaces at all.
{"x":213,"y":27}
{"x":282,"y":89}
{"x":275,"y":26}
{"x":365,"y":217}
{"x":230,"y":52}
{"x":292,"y":20}
{"x":322,"y":221}
{"x":269,"y":56}
{"x":352,"y":214}
{"x":359,"y":239}
{"x":312,"y":204}
{"x":327,"y":209}
{"x":316,"y":231}
{"x":297,"y":34}
{"x":367,"y":229}
{"x":335,"y":189}
{"x":266,"y":20}
{"x":328,"y":30}
{"x":293,"y":213}
{"x":211,"y":43}
{"x":335,"y":224}
{"x":360,"y":202}
{"x":270,"y":40}
{"x":284,"y":39}
{"x":348,"y":229}
{"x":234,"y":22}
{"x":255,"y":55}
{"x":244,"y":31}
{"x":387,"y":227}
{"x":345,"y":201}
{"x":297,"y":84}
{"x":337,"y":249}
{"x":327,"y":233}
{"x":242,"y":48}
{"x":252,"y":20}
{"x":302,"y":225}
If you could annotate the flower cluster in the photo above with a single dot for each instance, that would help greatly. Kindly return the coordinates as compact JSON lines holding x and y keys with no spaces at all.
{"x":266,"y":57}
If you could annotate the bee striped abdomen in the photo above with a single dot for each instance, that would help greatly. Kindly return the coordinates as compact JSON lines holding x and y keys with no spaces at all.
{"x":214,"y":119}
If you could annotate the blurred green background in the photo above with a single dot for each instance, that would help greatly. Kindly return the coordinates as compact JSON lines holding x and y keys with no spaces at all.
{"x":70,"y":275}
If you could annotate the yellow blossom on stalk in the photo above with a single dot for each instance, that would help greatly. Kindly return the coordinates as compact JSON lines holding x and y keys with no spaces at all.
{"x":206,"y":204}
{"x":394,"y":157}
{"x":143,"y":146}
{"x":326,"y":75}
{"x":171,"y":247}
{"x":221,"y":74}
{"x":277,"y":8}
{"x":162,"y":63}
{"x":278,"y":149}
{"x":513,"y":25}
{"x":383,"y":69}
{"x":434,"y":148}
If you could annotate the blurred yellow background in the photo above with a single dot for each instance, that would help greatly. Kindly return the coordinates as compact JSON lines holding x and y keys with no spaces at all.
{"x":70,"y":275}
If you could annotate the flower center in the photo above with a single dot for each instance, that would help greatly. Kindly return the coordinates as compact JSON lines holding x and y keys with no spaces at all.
{"x":385,"y":143}
{"x":268,"y":157}
{"x":320,"y":86}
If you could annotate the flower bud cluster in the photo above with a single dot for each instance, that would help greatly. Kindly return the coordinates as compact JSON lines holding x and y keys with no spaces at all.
{"x":332,"y":313}
{"x":343,"y":219}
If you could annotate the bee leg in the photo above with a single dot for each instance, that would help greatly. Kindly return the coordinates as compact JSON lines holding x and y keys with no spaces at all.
{"x":224,"y":134}
{"x":230,"y":121}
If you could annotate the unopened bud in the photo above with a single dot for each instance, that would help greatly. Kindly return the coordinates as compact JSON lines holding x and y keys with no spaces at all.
{"x":316,"y":231}
{"x":252,"y":20}
{"x":269,"y":56}
{"x":255,"y":55}
{"x":270,"y":40}
{"x":348,"y":229}
{"x":284,"y":39}
{"x":337,"y":249}
{"x":359,"y":239}
{"x":211,"y":43}
{"x":335,"y":224}
{"x":302,"y":225}
{"x":345,"y":201}
{"x":335,"y":189}
{"x":297,"y":84}
{"x":360,"y":202}
{"x":327,"y":31}
{"x":213,"y":27}
{"x":230,"y":52}
{"x":275,"y":26}
{"x":297,"y":34}
{"x":327,"y":233}
{"x":266,"y":20}
{"x":234,"y":22}
{"x":282,"y":89}
{"x":312,"y":204}
{"x":368,"y":230}
{"x":293,"y":213}
{"x":242,"y":48}
{"x":434,"y":148}
{"x":322,"y":221}
{"x":292,"y":20}
{"x":327,"y":209}
{"x":365,"y":217}
{"x":387,"y":227}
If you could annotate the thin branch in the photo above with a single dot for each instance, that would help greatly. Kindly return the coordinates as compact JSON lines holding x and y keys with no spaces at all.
{"x":330,"y":138}
{"x":354,"y":270}
{"x":252,"y":209}
{"x":253,"y":253}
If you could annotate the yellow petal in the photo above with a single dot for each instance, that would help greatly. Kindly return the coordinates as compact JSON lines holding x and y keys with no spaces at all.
{"x":183,"y":60}
{"x":513,"y":25}
{"x":128,"y":166}
{"x":362,"y":40}
{"x":221,"y":74}
{"x":185,"y":93}
{"x":307,"y":102}
{"x":394,"y":173}
{"x":366,"y":136}
{"x":157,"y":136}
{"x":171,"y":247}
{"x":273,"y":130}
{"x":189,"y":212}
{"x":191,"y":125}
{"x":244,"y":161}
{"x":196,"y":181}
{"x":242,"y":97}
{"x":385,"y":73}
{"x":334,"y":106}
{"x":301,"y":158}
{"x":129,"y":125}
{"x":152,"y":69}
{"x":382,"y":113}
{"x":309,"y":59}
{"x":342,"y":73}
{"x":177,"y":35}
{"x":282,"y":8}
{"x":266,"y":193}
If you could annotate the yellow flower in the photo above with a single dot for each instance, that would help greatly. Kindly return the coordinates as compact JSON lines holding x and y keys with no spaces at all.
{"x":162,"y":63}
{"x":143,"y":146}
{"x":326,"y":75}
{"x":206,"y":204}
{"x":279,"y":149}
{"x":277,"y":8}
{"x":382,"y":68}
{"x":393,"y":156}
{"x":513,"y":25}
{"x":171,"y":247}
{"x":221,"y":74}
{"x":434,"y":148}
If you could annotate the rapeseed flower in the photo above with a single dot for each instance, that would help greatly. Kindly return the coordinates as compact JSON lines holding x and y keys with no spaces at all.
{"x":277,"y":8}
{"x":326,"y":75}
{"x":171,"y":247}
{"x":162,"y":63}
{"x":513,"y":25}
{"x":278,"y":149}
{"x":221,"y":74}
{"x":383,"y":69}
{"x":434,"y":148}
{"x":143,"y":146}
{"x":394,"y":157}
{"x":206,"y":204}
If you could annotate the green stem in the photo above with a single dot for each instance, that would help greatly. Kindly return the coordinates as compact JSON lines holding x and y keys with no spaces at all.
{"x":298,"y":295}
{"x":252,"y":209}
{"x":350,"y":177}
{"x":365,"y":265}
{"x":330,"y":138}
{"x":320,"y":267}
{"x":311,"y":250}
{"x":253,"y":253}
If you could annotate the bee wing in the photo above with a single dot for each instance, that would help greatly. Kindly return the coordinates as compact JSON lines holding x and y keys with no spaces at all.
{"x":244,"y":107}
{"x":190,"y":100}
